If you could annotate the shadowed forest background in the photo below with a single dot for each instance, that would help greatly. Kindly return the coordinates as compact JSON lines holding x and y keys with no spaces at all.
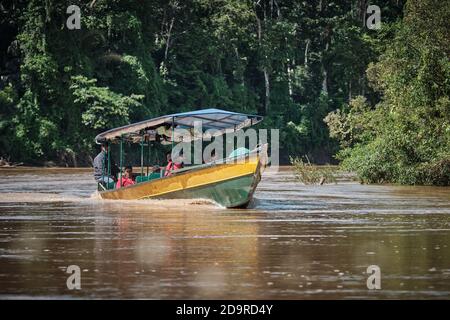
{"x":375,"y":100}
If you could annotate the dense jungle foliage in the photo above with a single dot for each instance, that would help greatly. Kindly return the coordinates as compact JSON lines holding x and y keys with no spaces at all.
{"x":376,"y":98}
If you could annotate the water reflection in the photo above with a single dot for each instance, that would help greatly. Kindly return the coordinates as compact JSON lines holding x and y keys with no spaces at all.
{"x":300,"y":242}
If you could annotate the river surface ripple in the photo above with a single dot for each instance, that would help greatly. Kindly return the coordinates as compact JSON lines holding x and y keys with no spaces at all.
{"x":296,"y":242}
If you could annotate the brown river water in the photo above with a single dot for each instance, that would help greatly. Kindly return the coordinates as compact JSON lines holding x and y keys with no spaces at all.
{"x":296,"y":242}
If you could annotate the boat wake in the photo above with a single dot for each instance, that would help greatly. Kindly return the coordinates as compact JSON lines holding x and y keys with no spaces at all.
{"x":17,"y":197}
{"x":155,"y":204}
{"x":95,"y":199}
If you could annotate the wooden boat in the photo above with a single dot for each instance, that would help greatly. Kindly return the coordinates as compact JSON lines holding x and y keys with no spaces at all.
{"x":230,"y":182}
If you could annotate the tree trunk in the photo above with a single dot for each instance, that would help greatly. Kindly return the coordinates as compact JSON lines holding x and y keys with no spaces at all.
{"x":324,"y":81}
{"x":306,"y":52}
{"x":362,"y":84}
{"x":325,"y":73}
{"x":168,"y":39}
{"x":289,"y":74}
{"x":264,"y":67}
{"x":349,"y":91}
{"x":267,"y":85}
{"x":362,"y":11}
{"x":327,"y":32}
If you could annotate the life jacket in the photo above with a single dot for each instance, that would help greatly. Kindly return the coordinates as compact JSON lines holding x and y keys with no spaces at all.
{"x":125,"y":182}
{"x":172,"y":166}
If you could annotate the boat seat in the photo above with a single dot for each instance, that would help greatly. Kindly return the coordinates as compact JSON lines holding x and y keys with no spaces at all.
{"x":151,"y":176}
{"x":140,"y":179}
{"x":154,"y":175}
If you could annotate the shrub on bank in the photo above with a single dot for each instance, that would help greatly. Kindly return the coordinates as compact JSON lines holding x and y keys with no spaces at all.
{"x":310,"y":174}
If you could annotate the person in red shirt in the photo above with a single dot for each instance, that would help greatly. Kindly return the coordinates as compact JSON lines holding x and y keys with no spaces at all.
{"x":171,"y":165}
{"x":126,"y":179}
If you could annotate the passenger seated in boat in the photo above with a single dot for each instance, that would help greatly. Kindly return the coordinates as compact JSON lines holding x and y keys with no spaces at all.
{"x":99,"y":166}
{"x":126,"y":179}
{"x":171,"y":165}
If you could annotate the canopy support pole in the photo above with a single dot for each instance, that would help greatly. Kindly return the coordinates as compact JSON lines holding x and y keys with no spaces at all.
{"x":173,"y":133}
{"x":142,"y":156}
{"x":109,"y":164}
{"x":148,"y":156}
{"x":103,"y":170}
{"x":121,"y":161}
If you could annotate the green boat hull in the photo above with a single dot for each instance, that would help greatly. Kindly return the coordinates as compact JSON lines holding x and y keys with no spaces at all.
{"x":233,"y":193}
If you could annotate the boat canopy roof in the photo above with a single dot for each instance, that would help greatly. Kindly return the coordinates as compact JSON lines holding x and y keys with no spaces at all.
{"x":164,"y":129}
